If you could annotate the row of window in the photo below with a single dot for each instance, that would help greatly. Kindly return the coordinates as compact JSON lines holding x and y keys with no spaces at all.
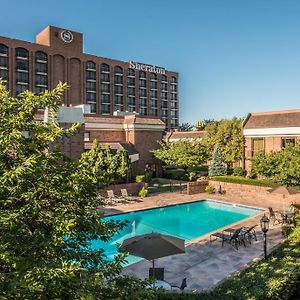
{"x":258,"y":144}
{"x":22,"y":69}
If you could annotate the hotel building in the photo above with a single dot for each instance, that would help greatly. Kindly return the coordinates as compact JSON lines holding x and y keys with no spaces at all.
{"x":103,"y":86}
{"x":123,"y":104}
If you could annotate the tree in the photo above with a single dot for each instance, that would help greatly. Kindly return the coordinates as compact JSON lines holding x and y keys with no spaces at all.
{"x":185,"y":127}
{"x":182,"y":154}
{"x":228,"y":135}
{"x":282,"y":166}
{"x":48,"y":212}
{"x":217,"y":167}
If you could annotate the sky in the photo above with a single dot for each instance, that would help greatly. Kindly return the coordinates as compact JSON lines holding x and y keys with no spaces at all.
{"x":232,"y":56}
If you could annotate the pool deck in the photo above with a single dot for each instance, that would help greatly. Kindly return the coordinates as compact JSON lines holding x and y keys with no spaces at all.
{"x":205,"y":263}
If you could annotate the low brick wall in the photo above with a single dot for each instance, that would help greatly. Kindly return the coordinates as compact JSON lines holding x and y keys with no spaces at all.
{"x":196,"y":187}
{"x":132,"y":188}
{"x":254,"y":195}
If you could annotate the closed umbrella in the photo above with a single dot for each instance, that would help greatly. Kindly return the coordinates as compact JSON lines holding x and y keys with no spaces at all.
{"x":153,"y":245}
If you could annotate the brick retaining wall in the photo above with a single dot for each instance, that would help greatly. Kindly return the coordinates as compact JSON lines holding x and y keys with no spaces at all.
{"x":254,"y":195}
{"x":196,"y":187}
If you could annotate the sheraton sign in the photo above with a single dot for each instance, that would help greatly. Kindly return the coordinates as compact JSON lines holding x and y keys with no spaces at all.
{"x":148,"y":68}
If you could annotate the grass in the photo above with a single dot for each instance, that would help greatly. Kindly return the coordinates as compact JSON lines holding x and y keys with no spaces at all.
{"x":243,"y":180}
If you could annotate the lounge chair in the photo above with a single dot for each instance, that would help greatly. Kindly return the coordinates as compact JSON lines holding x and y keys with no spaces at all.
{"x":246,"y":233}
{"x":111,"y":197}
{"x":156,"y":273}
{"x":126,"y":196}
{"x":233,"y":239}
{"x":182,"y":286}
{"x":275,"y":216}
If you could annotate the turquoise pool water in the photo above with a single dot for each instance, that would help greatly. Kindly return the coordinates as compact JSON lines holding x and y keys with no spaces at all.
{"x":187,"y":221}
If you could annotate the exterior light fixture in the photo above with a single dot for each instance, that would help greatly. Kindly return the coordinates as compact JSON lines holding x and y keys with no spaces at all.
{"x":264,"y":224}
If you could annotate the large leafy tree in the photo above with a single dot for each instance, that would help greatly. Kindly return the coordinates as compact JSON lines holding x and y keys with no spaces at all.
{"x":186,"y":127}
{"x":228,"y":135}
{"x":282,"y":166}
{"x":182,"y":154}
{"x":48,"y":210}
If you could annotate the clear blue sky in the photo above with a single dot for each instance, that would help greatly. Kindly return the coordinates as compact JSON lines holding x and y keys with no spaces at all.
{"x":233,"y":56}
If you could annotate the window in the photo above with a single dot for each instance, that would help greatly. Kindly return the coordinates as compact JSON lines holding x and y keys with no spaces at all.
{"x":153,"y":76}
{"x":287,"y":141}
{"x":118,"y":70}
{"x":118,"y":100}
{"x":90,"y":85}
{"x":4,"y":63}
{"x":173,"y":80}
{"x":105,"y":89}
{"x":130,"y":73}
{"x":153,"y":111}
{"x":41,"y":72}
{"x":104,"y":68}
{"x":142,"y":93}
{"x":143,"y":102}
{"x":22,"y":70}
{"x":86,"y":136}
{"x":142,"y":75}
{"x":164,"y":104}
{"x":163,"y":87}
{"x":163,"y":78}
{"x":130,"y":81}
{"x":143,"y":111}
{"x":153,"y":94}
{"x":118,"y":89}
{"x":258,"y":146}
{"x":153,"y":85}
{"x":164,"y":95}
{"x":130,"y":91}
{"x":173,"y":97}
{"x":143,"y":83}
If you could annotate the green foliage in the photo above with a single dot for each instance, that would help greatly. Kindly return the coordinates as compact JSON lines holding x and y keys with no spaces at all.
{"x":176,"y":174}
{"x":282,"y":166}
{"x":47,"y":209}
{"x":239,"y":171}
{"x":185,"y":127}
{"x":243,"y":180}
{"x":209,"y":190}
{"x":228,"y":135}
{"x":192,"y":176}
{"x":217,"y":167}
{"x":143,"y":192}
{"x":183,"y":154}
{"x":276,"y":278}
{"x":140,"y":178}
{"x":148,"y":175}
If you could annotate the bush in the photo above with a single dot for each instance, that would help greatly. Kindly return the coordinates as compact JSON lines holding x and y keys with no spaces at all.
{"x":209,"y":190}
{"x":192,"y":176}
{"x":143,"y":192}
{"x":174,"y":174}
{"x":140,"y":178}
{"x":148,"y":175}
{"x":243,"y":180}
{"x":239,"y":171}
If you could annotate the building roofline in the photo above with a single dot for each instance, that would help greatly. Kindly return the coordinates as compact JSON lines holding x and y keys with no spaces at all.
{"x":275,"y":112}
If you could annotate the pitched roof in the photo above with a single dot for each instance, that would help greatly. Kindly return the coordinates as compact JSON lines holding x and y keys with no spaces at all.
{"x":115,"y":146}
{"x":273,"y":119}
{"x":177,"y":135}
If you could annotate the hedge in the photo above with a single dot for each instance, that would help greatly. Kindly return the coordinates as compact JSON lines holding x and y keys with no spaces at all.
{"x":243,"y":180}
{"x":276,"y":278}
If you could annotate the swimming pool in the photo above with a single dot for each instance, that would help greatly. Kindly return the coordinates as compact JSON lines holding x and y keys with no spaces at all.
{"x":187,"y":221}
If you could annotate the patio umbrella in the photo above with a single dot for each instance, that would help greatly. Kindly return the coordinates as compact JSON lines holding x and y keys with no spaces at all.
{"x":153,"y":245}
{"x":283,"y":190}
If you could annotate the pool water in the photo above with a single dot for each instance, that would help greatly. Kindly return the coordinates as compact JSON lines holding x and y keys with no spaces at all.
{"x":186,"y":221}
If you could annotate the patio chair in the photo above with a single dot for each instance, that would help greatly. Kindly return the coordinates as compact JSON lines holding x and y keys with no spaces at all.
{"x":233,"y":239}
{"x":246,"y":233}
{"x":111,"y":197}
{"x":182,"y":286}
{"x":275,"y":216}
{"x":128,"y":197}
{"x":156,"y":273}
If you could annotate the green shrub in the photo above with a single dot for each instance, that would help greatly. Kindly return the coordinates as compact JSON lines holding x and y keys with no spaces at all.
{"x":174,"y":174}
{"x":192,"y":176}
{"x":148,"y":175}
{"x":140,"y":178}
{"x":143,"y":192}
{"x":209,"y":190}
{"x":243,"y":180}
{"x":239,"y":171}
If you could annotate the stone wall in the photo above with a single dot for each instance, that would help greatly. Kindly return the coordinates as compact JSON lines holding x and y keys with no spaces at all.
{"x":196,"y":187}
{"x":254,"y":195}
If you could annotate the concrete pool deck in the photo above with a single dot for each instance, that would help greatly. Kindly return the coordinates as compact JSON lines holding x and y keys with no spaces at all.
{"x":205,"y":263}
